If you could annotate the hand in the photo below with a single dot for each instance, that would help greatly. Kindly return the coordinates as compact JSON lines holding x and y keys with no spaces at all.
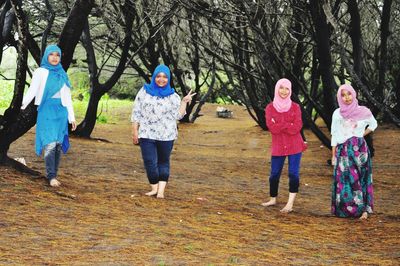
{"x":135,"y":137}
{"x":188,"y":97}
{"x":73,"y":125}
{"x":334,"y":160}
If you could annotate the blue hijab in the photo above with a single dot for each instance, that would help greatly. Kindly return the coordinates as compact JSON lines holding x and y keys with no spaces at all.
{"x":153,"y":89}
{"x":57,"y":75}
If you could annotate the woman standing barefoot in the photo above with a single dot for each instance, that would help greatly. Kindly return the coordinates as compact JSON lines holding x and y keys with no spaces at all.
{"x":283,"y":119}
{"x":155,"y":112}
{"x":352,"y":191}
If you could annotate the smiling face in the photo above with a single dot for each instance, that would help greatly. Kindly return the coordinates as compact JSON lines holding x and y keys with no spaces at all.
{"x":54,"y":58}
{"x":161,"y":80}
{"x":283,"y":92}
{"x":347,"y":98}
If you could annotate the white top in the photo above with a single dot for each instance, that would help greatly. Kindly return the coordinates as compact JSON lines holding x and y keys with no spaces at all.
{"x":36,"y":90}
{"x":156,"y":116}
{"x":343,"y":129}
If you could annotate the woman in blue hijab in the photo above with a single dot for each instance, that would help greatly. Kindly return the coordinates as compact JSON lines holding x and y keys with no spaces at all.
{"x":155,"y":112}
{"x":50,"y":87}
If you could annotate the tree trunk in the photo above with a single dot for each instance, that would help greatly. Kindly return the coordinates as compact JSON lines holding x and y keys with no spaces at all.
{"x":385,"y":33}
{"x":314,"y":128}
{"x":6,"y":24}
{"x":7,"y":129}
{"x":204,"y":98}
{"x":322,"y":39}
{"x":72,"y":30}
{"x":85,"y":128}
{"x":356,"y":36}
{"x":24,"y":121}
{"x":397,"y":93}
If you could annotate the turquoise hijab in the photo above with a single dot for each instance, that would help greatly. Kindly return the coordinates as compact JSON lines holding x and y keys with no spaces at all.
{"x":153,"y":89}
{"x":57,"y":75}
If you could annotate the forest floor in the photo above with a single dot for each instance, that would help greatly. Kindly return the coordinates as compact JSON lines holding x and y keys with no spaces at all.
{"x":212,"y":213}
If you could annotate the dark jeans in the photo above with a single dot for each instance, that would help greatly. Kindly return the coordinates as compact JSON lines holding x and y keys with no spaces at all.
{"x":276,"y":170}
{"x":52,"y":156}
{"x":156,"y":154}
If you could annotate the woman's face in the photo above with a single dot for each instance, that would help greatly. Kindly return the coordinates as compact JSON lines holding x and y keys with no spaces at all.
{"x":53,"y":58}
{"x":347,"y":98}
{"x":283,"y":92}
{"x":161,"y":80}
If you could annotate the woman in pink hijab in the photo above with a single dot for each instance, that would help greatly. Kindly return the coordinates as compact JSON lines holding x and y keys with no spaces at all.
{"x":283,"y":118}
{"x":352,"y":191}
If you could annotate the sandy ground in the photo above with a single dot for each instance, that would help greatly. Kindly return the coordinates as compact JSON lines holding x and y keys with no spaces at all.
{"x":212,"y":213}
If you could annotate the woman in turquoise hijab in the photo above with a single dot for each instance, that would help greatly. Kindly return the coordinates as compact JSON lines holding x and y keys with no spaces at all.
{"x":50,"y":87}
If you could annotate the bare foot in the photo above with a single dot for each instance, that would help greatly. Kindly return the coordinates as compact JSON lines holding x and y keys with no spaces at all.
{"x":160,"y":196}
{"x":271,"y":202}
{"x":151,"y":193}
{"x":364,"y":216}
{"x":54,"y":183}
{"x":287,"y":209}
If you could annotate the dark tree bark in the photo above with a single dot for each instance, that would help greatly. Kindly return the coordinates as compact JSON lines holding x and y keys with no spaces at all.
{"x":397,"y":93}
{"x":195,"y":67}
{"x":203,"y":99}
{"x":385,"y":33}
{"x":34,"y":48}
{"x":15,"y":123}
{"x":97,"y":90}
{"x":322,"y":39}
{"x":315,"y":77}
{"x":356,"y":36}
{"x":10,"y":115}
{"x":72,"y":30}
{"x":6,"y":21}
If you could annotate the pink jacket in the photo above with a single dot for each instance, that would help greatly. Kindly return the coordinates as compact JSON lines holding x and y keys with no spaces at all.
{"x":285,"y":130}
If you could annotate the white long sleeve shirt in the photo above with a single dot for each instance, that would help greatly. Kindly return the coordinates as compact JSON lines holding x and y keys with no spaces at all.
{"x":342,"y":129}
{"x":36,"y":90}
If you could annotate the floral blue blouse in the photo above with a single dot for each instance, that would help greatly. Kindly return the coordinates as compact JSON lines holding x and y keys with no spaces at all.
{"x":156,"y":116}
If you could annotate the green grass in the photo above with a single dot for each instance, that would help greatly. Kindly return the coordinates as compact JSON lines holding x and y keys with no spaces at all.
{"x":6,"y":94}
{"x":109,"y":110}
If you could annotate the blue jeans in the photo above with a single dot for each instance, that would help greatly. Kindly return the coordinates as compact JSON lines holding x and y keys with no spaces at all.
{"x":156,"y":154}
{"x":52,"y":156}
{"x":276,"y":170}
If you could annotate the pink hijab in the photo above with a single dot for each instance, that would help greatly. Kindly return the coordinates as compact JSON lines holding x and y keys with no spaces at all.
{"x":282,"y":105}
{"x":352,"y":111}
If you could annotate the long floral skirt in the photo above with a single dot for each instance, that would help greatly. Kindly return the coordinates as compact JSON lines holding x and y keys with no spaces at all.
{"x":352,"y":191}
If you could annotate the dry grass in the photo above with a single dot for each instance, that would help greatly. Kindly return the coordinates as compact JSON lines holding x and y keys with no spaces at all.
{"x":100,"y":216}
